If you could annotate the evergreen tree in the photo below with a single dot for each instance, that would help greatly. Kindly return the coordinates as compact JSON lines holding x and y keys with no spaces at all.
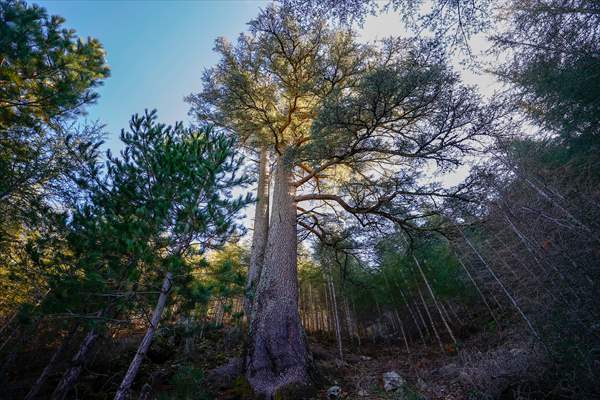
{"x":46,"y":71}
{"x":165,"y":199}
{"x":47,"y":76}
{"x":554,"y":67}
{"x":350,"y":127}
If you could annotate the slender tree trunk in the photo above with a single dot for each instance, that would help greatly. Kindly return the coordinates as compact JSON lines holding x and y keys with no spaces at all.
{"x":8,"y":339}
{"x":147,"y":340}
{"x":506,"y":292}
{"x":301,"y":310}
{"x":550,"y":197}
{"x":455,"y":314}
{"x":327,"y":312}
{"x":219,"y":313}
{"x":379,"y":318}
{"x":79,"y":360}
{"x":261,"y":231}
{"x":8,"y":322}
{"x":357,"y":323}
{"x":487,"y":305}
{"x":278,"y":355}
{"x":349,"y":319}
{"x":322,"y":324}
{"x":415,"y":321}
{"x":435,"y":302}
{"x":530,"y":248}
{"x":39,"y":383}
{"x":420,"y":314}
{"x":311,"y":309}
{"x":338,"y":334}
{"x":395,"y":308}
{"x":401,"y":325}
{"x":188,"y":343}
{"x":437,"y":336}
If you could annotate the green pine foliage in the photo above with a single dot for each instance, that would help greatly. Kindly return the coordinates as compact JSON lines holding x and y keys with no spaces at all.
{"x":46,"y":70}
{"x":47,"y":76}
{"x":153,"y":209}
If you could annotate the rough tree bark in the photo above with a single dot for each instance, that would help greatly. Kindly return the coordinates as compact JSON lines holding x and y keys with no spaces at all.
{"x":147,"y":340}
{"x":277,"y":361}
{"x":261,"y":231}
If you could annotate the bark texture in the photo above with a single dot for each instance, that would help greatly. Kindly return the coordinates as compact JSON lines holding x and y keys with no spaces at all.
{"x":261,"y":231}
{"x":146,"y":341}
{"x":277,"y":361}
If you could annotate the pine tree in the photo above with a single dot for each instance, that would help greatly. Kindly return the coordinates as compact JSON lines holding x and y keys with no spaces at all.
{"x":47,"y":77}
{"x":166,"y":198}
{"x":349,"y":126}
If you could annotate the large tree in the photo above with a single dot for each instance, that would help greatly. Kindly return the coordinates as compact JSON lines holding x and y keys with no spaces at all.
{"x":351,"y":128}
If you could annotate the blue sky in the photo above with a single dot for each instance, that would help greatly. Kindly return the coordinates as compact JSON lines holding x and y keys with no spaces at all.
{"x":156,"y":50}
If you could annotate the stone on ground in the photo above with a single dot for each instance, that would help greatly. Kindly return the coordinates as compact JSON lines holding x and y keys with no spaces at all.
{"x":392,"y":381}
{"x":334,"y":392}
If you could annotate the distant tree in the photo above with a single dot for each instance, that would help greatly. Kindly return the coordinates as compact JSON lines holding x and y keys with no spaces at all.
{"x":554,"y":67}
{"x":226,"y":271}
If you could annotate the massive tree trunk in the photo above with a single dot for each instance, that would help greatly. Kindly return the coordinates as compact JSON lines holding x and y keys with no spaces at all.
{"x":261,"y":230}
{"x":277,"y":361}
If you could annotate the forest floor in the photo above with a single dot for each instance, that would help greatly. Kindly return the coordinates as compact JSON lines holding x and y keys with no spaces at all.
{"x":360,"y":375}
{"x":488,"y":364}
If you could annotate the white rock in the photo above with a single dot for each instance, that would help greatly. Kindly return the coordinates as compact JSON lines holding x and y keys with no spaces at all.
{"x":334,"y":392}
{"x":392,"y":381}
